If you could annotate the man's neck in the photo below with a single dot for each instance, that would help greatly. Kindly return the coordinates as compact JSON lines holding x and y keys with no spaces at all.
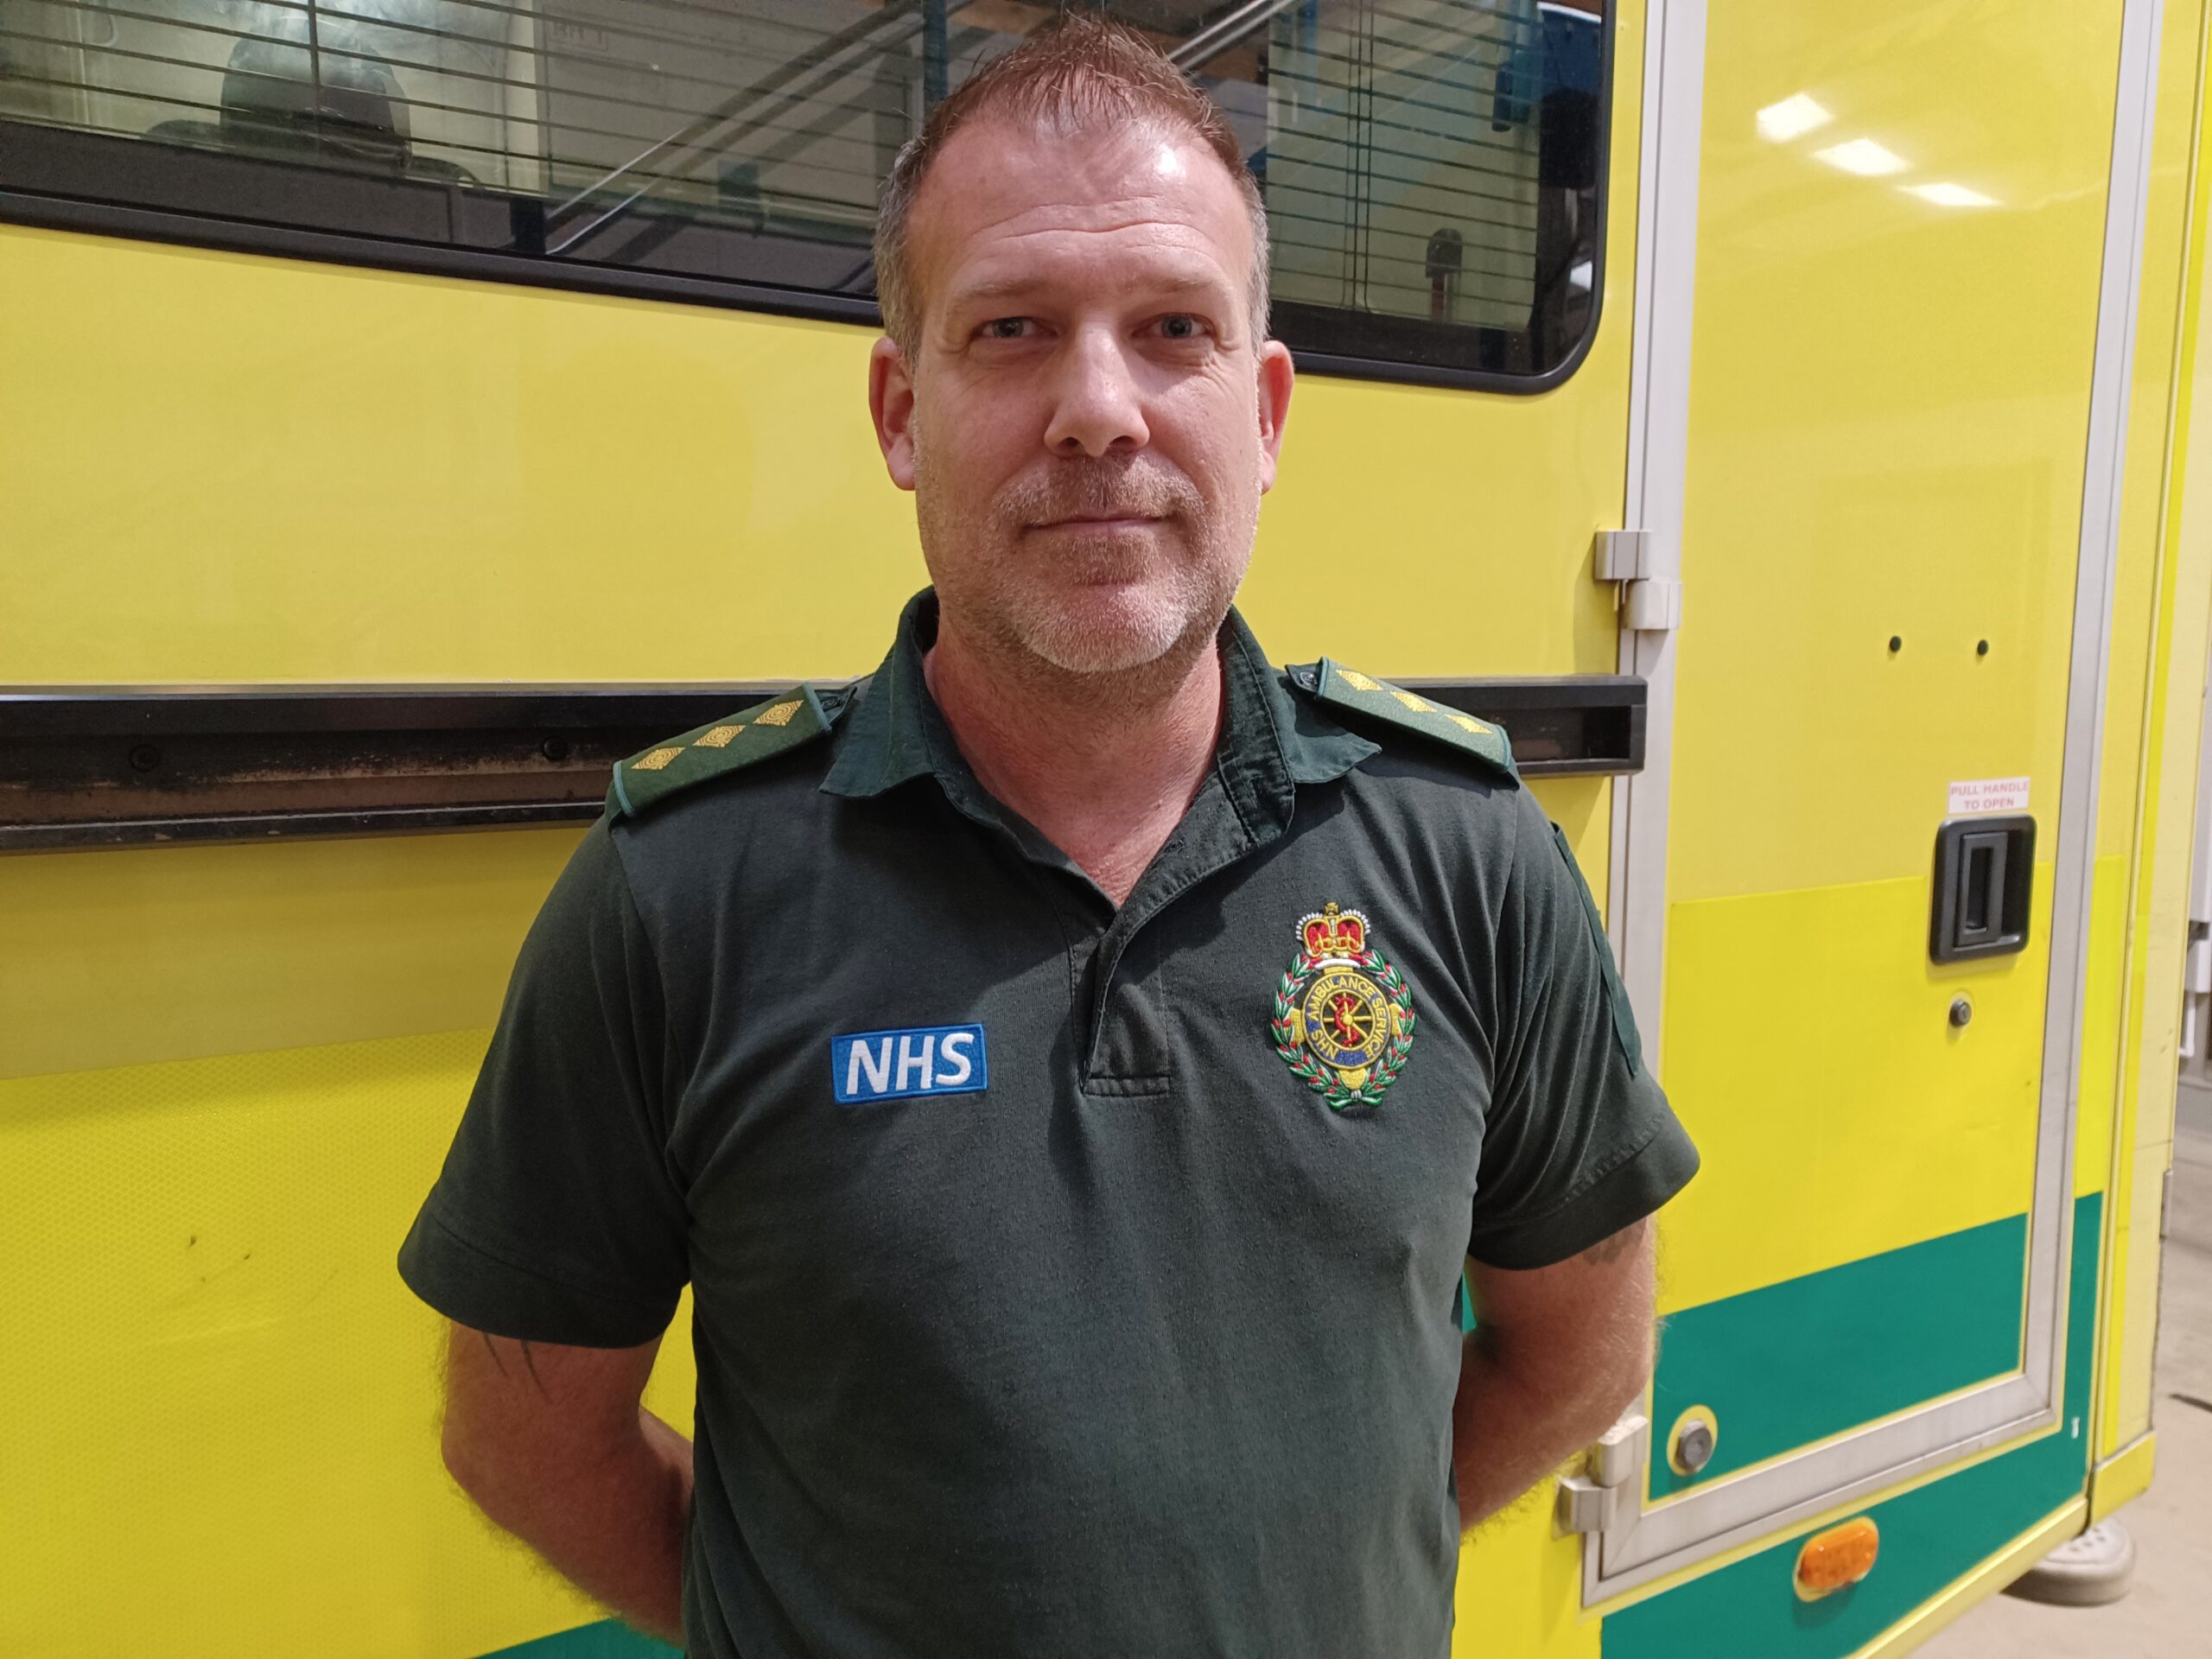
{"x":1104,"y":765}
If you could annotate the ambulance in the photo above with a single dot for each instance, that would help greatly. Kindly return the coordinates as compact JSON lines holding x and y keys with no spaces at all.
{"x":1778,"y":414}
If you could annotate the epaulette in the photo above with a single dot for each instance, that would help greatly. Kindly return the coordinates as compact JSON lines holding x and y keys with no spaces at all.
{"x":1332,"y":684}
{"x":730,"y":744}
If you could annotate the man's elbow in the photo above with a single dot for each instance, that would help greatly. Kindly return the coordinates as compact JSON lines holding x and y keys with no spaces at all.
{"x":462,"y":1453}
{"x":1629,"y":1369}
{"x":510,"y":1478}
{"x":1614,"y":1377}
{"x":491,"y":1459}
{"x":1624,"y":1383}
{"x":481,"y":1464}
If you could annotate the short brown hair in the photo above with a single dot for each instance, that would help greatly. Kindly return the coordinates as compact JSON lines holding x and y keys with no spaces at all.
{"x":1079,"y":73}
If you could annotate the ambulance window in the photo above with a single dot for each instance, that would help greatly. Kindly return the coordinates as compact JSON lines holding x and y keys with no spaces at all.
{"x":1432,"y":166}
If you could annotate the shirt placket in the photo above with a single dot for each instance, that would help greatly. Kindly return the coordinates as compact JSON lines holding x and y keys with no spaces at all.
{"x":1125,"y":1046}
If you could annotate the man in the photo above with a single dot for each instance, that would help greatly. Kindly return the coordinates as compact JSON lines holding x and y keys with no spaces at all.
{"x":1072,"y":1069}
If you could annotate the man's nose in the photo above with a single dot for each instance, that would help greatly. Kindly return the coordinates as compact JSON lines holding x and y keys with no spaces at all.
{"x":1098,"y":405}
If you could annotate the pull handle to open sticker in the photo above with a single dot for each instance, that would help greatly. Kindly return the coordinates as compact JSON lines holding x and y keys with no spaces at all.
{"x":1989,"y":795}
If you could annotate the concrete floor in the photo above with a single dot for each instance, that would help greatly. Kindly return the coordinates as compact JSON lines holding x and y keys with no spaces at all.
{"x":2170,"y":1610}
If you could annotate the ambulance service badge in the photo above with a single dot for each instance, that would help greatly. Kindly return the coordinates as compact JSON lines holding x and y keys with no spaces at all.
{"x":1344,"y":1019}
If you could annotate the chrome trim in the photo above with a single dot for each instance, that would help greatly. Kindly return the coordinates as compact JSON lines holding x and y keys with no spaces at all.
{"x":1763,"y":1502}
{"x":1658,"y":447}
{"x":2134,"y":119}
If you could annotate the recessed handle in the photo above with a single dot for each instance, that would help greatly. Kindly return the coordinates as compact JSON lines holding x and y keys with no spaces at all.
{"x":1985,"y":876}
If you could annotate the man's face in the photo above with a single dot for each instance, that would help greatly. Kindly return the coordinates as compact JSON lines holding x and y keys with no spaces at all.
{"x":1087,"y":421}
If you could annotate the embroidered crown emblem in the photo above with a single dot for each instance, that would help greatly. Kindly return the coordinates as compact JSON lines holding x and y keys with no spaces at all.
{"x":1334,"y":933}
{"x":1344,"y":1017}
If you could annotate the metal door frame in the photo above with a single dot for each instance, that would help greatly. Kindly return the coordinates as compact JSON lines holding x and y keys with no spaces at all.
{"x":1643,"y":1544}
{"x":1658,"y":454}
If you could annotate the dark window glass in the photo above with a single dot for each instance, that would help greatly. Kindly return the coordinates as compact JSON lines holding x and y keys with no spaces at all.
{"x":1431,"y":167}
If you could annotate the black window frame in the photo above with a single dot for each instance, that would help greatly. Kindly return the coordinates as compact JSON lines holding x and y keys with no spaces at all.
{"x":58,"y":178}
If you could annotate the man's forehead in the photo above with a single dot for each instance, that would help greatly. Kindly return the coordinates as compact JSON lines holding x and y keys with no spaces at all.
{"x":997,"y":182}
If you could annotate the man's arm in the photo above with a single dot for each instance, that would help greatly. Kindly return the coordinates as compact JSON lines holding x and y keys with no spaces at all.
{"x":552,"y":1444}
{"x":1556,"y":1354}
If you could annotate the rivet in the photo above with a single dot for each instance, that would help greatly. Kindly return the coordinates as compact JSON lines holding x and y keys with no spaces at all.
{"x":1690,"y":1444}
{"x":1696,"y":1447}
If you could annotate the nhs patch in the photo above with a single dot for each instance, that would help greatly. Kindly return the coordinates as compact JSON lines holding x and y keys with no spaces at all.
{"x":891,"y":1065}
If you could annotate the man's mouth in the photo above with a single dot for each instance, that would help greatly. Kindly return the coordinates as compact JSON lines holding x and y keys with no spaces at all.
{"x":1099,"y":521}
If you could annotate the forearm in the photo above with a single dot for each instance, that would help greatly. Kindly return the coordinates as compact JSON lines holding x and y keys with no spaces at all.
{"x":610,"y":1519}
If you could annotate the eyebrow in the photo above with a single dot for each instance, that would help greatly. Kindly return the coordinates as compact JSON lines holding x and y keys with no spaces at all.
{"x":1014,"y":288}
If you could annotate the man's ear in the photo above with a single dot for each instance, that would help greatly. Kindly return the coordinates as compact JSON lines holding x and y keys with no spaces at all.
{"x":1274,"y":378}
{"x":891,"y":405}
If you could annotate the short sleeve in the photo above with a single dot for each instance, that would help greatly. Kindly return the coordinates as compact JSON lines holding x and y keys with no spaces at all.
{"x":1579,"y":1141}
{"x":556,"y":1218}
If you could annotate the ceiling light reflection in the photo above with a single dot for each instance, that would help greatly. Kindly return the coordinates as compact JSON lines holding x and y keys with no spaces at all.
{"x":1947,"y":194}
{"x":1863,"y":156}
{"x":1793,"y":117}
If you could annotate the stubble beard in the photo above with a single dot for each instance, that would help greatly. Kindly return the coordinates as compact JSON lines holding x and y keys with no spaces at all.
{"x":1107,"y":612}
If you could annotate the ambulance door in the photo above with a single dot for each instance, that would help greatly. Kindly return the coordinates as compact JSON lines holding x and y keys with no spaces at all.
{"x":1880,"y":410}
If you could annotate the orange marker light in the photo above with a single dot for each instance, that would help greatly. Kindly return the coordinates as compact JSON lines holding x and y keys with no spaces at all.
{"x":1837,"y":1558}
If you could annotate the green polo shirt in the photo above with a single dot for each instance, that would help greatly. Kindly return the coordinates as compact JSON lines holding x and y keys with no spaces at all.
{"x":1104,"y":1305}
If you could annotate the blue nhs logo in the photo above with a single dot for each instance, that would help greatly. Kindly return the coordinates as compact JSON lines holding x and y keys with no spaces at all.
{"x":891,"y":1065}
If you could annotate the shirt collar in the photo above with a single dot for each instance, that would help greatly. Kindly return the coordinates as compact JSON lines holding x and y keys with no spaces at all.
{"x":1270,"y":741}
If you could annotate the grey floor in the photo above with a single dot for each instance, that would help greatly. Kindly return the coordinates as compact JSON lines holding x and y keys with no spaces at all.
{"x":2170,"y":1610}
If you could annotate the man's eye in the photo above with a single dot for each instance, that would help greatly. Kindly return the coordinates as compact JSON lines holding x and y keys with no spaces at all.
{"x":1006,"y":328}
{"x":1181,"y":326}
